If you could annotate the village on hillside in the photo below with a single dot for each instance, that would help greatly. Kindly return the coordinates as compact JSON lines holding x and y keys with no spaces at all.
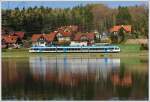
{"x":68,"y":36}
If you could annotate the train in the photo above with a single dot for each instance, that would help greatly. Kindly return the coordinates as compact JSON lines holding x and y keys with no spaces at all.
{"x":78,"y":49}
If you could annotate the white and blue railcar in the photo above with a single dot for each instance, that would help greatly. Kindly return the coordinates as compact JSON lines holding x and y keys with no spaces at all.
{"x":88,"y":49}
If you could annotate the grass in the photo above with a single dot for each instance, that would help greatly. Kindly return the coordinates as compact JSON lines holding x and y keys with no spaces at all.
{"x":129,"y":48}
{"x":126,"y":51}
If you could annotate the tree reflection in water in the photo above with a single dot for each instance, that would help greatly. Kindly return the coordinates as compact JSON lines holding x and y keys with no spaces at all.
{"x":122,"y":80}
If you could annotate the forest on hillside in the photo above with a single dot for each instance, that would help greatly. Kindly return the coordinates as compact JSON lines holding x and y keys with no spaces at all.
{"x":89,"y":18}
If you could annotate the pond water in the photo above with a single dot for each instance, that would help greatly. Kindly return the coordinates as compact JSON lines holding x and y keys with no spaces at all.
{"x":44,"y":78}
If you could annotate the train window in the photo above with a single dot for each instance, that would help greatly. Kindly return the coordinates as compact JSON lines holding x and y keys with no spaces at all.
{"x":40,"y":49}
{"x":77,"y":48}
{"x":71,"y":49}
{"x":47,"y":49}
{"x":100,"y":48}
{"x":35,"y":48}
{"x":52,"y":49}
{"x":59,"y":48}
{"x":97,"y":48}
{"x":111,"y":48}
{"x":44,"y":49}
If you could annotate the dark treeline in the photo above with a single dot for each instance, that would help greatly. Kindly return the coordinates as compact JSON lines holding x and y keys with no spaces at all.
{"x":89,"y":18}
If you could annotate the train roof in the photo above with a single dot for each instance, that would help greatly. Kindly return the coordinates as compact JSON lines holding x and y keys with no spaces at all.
{"x":110,"y":46}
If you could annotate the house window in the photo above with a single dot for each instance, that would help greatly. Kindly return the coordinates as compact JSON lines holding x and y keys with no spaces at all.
{"x":41,"y":39}
{"x":59,"y":35}
{"x":42,"y":42}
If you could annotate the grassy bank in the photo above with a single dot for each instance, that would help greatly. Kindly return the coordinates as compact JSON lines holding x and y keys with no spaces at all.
{"x":130,"y":48}
{"x":126,"y":51}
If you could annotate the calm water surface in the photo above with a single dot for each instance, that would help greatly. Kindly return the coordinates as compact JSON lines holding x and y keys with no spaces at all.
{"x":43,"y":78}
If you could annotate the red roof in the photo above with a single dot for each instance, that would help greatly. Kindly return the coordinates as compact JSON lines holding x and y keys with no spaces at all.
{"x":48,"y":37}
{"x":89,"y":36}
{"x":35,"y":37}
{"x":19,"y":34}
{"x":127,"y":28}
{"x":10,"y":38}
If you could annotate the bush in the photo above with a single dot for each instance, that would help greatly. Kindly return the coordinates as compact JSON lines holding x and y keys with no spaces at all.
{"x":144,"y":47}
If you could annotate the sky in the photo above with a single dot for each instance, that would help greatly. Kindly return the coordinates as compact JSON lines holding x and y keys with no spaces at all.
{"x":66,"y":4}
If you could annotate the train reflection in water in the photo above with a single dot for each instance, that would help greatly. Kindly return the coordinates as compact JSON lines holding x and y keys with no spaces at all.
{"x":71,"y":71}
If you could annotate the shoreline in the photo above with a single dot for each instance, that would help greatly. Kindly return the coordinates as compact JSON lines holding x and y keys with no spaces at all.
{"x":21,"y":54}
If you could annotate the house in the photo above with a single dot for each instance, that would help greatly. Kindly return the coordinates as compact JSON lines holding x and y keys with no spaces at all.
{"x":54,"y":38}
{"x":116,"y":29}
{"x":11,"y":38}
{"x":43,"y":39}
{"x":119,"y":33}
{"x":85,"y":37}
{"x":10,"y":41}
{"x":66,"y":33}
{"x":63,"y":35}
